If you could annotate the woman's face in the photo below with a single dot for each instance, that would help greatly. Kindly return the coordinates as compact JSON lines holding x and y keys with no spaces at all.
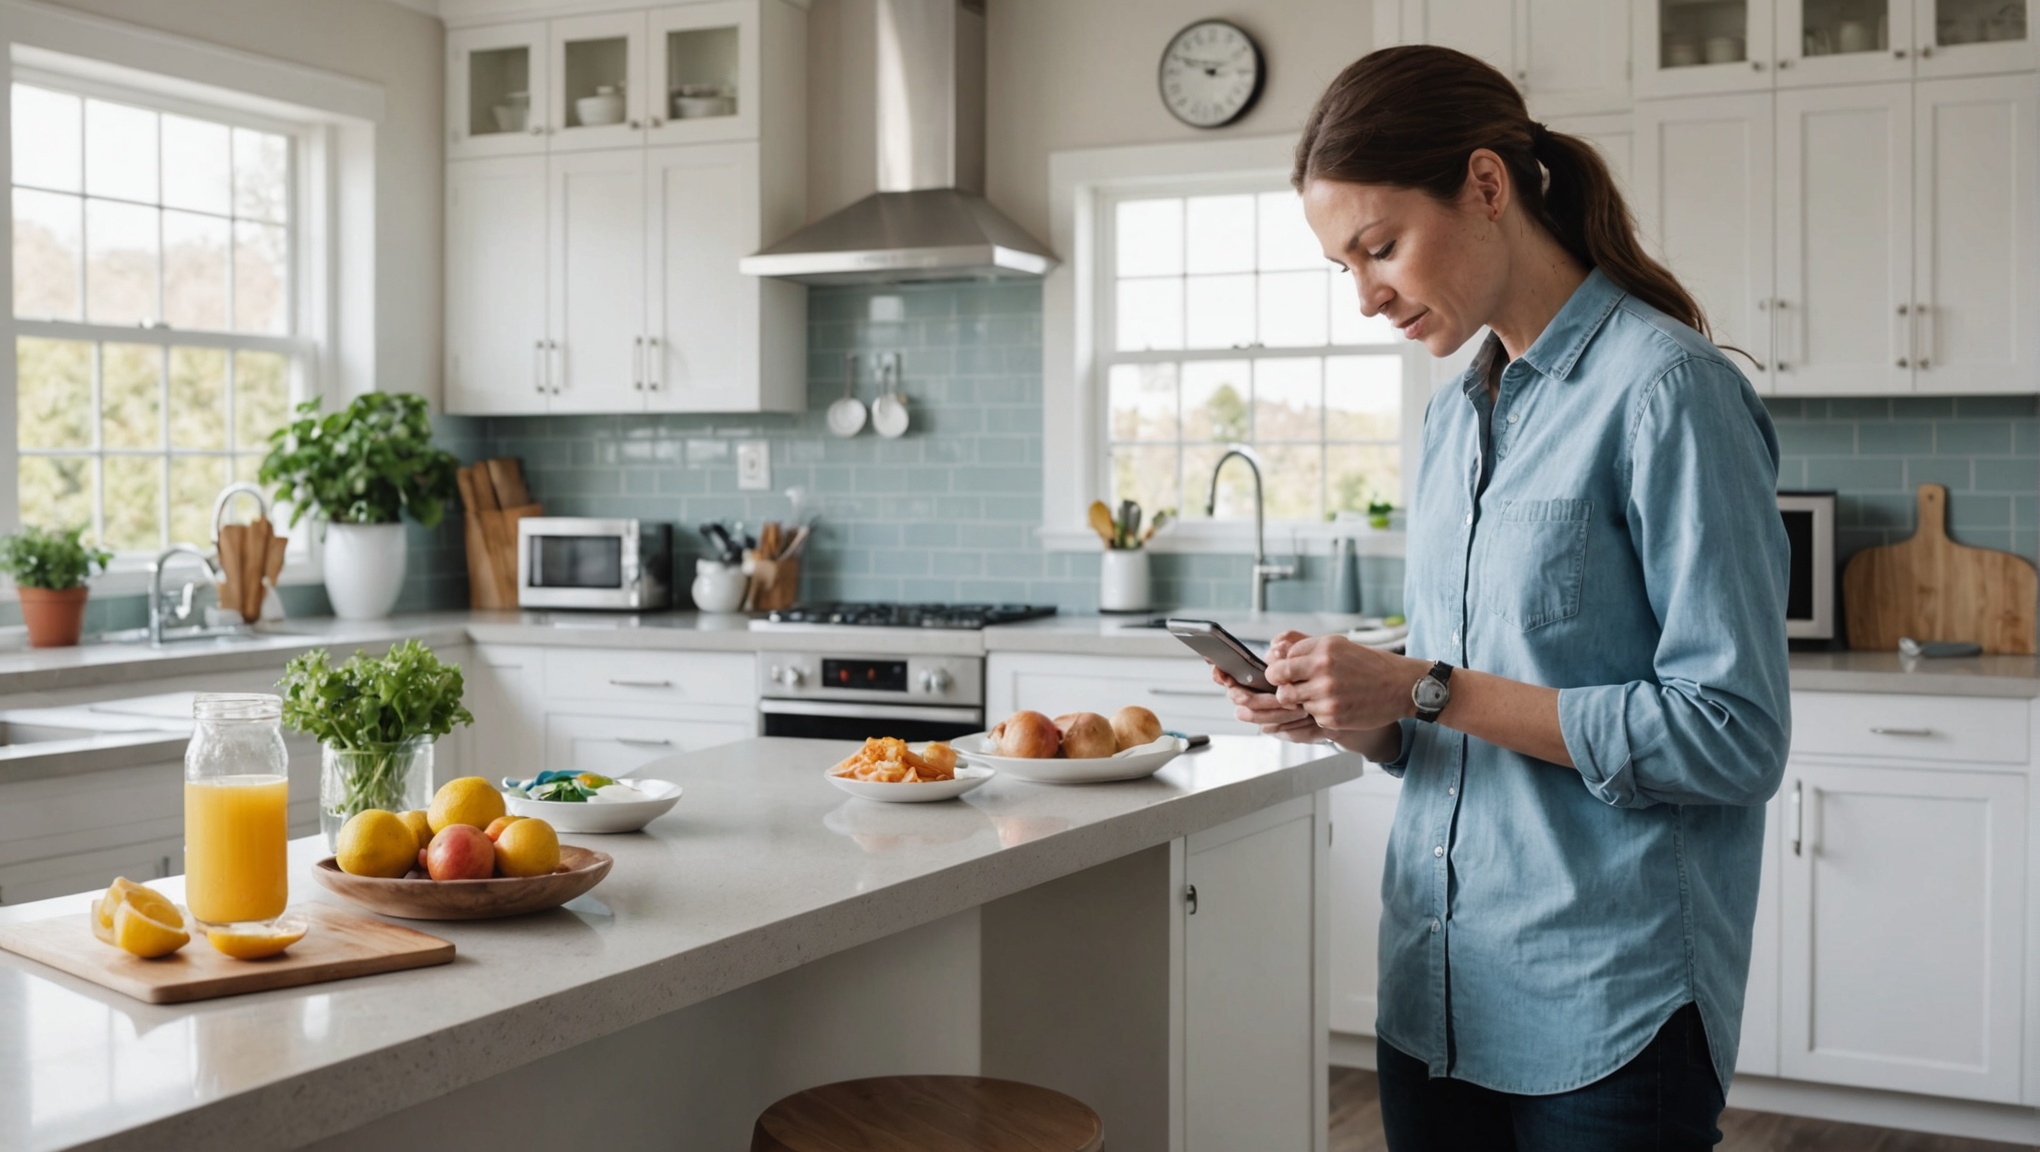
{"x":1436,"y":270}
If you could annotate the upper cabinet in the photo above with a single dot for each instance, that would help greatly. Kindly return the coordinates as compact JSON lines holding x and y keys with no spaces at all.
{"x":495,"y":78}
{"x":1689,"y":47}
{"x":1570,"y":57}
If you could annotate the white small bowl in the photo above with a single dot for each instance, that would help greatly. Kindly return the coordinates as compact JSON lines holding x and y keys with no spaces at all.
{"x":968,"y":776}
{"x":585,"y":817}
{"x":1132,"y":764}
{"x":596,"y":111}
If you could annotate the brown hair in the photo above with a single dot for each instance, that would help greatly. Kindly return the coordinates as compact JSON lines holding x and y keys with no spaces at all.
{"x":1411,"y":117}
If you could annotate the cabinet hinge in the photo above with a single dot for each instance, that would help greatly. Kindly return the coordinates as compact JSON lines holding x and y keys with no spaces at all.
{"x":1190,"y":898}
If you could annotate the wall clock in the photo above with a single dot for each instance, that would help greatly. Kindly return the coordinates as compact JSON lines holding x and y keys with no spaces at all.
{"x":1210,"y":74}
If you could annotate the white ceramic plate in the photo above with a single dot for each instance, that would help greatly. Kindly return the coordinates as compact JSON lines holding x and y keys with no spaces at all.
{"x":1131,"y":764}
{"x":968,"y":776}
{"x":585,"y":817}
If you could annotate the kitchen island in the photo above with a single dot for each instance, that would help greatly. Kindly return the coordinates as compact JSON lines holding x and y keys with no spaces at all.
{"x":768,"y":934}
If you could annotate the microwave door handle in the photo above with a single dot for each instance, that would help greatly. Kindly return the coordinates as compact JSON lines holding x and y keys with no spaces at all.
{"x":535,"y":563}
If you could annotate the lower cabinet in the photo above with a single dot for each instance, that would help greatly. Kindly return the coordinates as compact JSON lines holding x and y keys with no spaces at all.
{"x":1362,"y":812}
{"x":619,"y":745}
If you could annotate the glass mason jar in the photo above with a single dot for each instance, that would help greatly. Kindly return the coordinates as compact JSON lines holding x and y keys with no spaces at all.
{"x":392,"y":777}
{"x":236,"y":801}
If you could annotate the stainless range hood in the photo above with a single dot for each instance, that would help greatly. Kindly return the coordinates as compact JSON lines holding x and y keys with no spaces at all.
{"x":929,"y":219}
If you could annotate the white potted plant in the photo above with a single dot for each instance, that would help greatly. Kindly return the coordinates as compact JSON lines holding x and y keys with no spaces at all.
{"x":360,"y":470}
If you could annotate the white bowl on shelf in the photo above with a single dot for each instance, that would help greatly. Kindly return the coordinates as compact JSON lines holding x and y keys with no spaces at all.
{"x":601,"y":109}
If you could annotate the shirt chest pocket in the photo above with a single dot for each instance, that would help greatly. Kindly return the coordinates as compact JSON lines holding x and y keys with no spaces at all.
{"x":1537,"y":560}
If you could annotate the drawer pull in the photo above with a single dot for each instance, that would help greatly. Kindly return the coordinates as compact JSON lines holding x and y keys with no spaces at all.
{"x":1198,"y":692}
{"x":1902,"y":731}
{"x":640,"y":683}
{"x":1798,"y":817}
{"x":637,"y":743}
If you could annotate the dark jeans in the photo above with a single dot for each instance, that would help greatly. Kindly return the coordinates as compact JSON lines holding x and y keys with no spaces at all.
{"x":1665,"y":1100}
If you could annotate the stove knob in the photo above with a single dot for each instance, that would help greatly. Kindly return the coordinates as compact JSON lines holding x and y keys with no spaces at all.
{"x":789,"y":677}
{"x":935,"y":681}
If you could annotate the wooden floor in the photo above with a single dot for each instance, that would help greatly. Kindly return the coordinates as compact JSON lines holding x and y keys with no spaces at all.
{"x":1356,"y":1127}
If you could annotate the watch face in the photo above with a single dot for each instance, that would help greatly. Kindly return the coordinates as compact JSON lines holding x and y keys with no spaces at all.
{"x":1210,"y":74}
{"x":1430,"y":695}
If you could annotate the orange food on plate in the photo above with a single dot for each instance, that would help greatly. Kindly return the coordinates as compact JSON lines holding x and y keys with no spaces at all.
{"x":889,"y":761}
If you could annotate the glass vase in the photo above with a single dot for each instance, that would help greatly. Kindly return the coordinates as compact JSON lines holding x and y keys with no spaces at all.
{"x":392,"y":777}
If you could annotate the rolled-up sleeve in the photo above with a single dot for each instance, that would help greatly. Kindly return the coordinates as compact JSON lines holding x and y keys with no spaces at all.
{"x":1714,"y":725}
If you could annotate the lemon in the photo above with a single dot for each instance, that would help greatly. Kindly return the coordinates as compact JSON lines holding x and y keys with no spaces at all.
{"x":528,"y":847}
{"x":376,"y":843}
{"x":253,"y":941}
{"x":419,"y":825}
{"x":140,"y":927}
{"x":103,"y":908}
{"x":468,"y":800}
{"x":593,"y":780}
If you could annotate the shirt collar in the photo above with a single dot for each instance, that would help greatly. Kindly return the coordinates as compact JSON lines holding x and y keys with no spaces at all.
{"x":1569,"y":333}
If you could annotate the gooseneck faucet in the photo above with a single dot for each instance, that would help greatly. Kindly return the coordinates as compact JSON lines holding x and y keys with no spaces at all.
{"x":1263,"y":571}
{"x":181,"y":611}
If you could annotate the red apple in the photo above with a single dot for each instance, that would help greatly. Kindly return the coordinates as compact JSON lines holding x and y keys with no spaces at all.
{"x":460,"y":852}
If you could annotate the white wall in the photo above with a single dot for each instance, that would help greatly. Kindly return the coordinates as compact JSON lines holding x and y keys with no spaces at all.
{"x":400,"y":49}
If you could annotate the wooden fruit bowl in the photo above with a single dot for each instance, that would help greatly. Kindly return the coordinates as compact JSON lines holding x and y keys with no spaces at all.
{"x":422,"y":899}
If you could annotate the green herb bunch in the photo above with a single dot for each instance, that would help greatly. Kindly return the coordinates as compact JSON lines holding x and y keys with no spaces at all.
{"x":51,"y":558}
{"x":368,"y":463}
{"x":370,"y":709}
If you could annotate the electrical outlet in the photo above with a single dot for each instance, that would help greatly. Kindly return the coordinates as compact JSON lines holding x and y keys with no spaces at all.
{"x":754,"y":465}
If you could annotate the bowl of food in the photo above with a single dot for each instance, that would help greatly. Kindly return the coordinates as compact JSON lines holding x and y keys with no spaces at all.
{"x":584,"y":802}
{"x":1075,"y":748}
{"x":896,"y":772}
{"x":417,"y":896}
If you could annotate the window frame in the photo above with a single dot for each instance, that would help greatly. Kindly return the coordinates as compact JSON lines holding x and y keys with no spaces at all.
{"x":1078,"y":299}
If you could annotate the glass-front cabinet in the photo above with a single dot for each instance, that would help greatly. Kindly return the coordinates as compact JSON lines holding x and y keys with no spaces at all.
{"x":1688,"y":47}
{"x":1967,"y":37}
{"x":598,"y":90}
{"x":495,"y":78}
{"x":1692,"y":47}
{"x":703,"y":61}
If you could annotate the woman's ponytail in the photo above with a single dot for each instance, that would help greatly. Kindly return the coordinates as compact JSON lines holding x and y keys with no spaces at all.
{"x":1411,"y":116}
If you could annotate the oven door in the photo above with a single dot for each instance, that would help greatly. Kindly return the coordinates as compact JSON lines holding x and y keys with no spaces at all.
{"x":830,"y":720}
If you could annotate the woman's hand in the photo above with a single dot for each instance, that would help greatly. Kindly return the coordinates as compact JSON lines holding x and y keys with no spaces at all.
{"x":1263,"y":710}
{"x":1340,"y":685}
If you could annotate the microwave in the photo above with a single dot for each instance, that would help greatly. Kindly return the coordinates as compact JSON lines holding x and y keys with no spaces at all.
{"x":1810,"y":587}
{"x":589,"y":562}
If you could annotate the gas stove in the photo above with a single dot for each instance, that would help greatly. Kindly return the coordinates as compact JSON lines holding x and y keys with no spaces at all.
{"x":880,"y":615}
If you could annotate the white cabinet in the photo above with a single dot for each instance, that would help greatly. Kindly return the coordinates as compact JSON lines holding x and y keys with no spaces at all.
{"x":496,"y":91}
{"x":1973,"y":37}
{"x":1567,"y":56}
{"x":1684,"y":48}
{"x":1904,"y":929}
{"x":506,"y":693}
{"x":1758,"y":1054}
{"x":1178,"y":690}
{"x":596,"y":301}
{"x":599,"y":89}
{"x":496,"y":358}
{"x":619,"y":745}
{"x":1363,"y":812}
{"x":1613,"y":134}
{"x":1704,"y":198}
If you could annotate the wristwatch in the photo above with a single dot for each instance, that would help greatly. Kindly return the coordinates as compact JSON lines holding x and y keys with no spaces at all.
{"x":1433,"y":692}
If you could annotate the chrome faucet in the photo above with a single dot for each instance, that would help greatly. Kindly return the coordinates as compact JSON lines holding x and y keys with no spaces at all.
{"x":177,"y":605}
{"x":1263,"y":571}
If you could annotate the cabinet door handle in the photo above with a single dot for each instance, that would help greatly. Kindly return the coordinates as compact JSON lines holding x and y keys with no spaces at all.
{"x":652,"y":365}
{"x":1927,"y":51}
{"x":635,"y":125}
{"x":1197,"y":692}
{"x":1902,"y":731}
{"x":1756,"y":65}
{"x":637,"y":743}
{"x":1798,"y":817}
{"x":1190,"y":898}
{"x":620,"y":683}
{"x":556,"y":367}
{"x":1923,"y":318}
{"x":1898,"y":53}
{"x":637,"y":363}
{"x":538,"y":365}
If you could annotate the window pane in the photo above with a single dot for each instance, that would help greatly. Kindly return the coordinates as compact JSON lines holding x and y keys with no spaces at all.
{"x":134,"y":503}
{"x":46,"y":240}
{"x":1220,"y":311}
{"x":1287,"y":400}
{"x":1363,"y":398}
{"x":53,"y":393}
{"x":1349,"y":326}
{"x":1287,"y":242}
{"x":130,"y":391}
{"x":48,"y":139}
{"x":1215,"y":401}
{"x":1294,"y":476}
{"x":195,"y":270}
{"x":1146,"y":475}
{"x":1150,"y":238}
{"x":195,"y":481}
{"x":56,"y":491}
{"x":198,"y":171}
{"x":1143,"y":401}
{"x":1293,"y":309}
{"x":261,"y":279}
{"x":261,"y":397}
{"x":261,"y":175}
{"x":1150,"y":315}
{"x":1235,"y":484}
{"x":1220,"y":234}
{"x":120,"y":271}
{"x":246,"y":468}
{"x":1360,"y":473}
{"x":198,"y":398}
{"x":120,"y":151}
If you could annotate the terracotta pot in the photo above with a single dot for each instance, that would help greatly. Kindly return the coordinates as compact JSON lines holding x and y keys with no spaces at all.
{"x":55,"y":617}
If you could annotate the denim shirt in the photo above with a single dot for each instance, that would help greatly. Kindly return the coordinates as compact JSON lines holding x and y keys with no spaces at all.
{"x":1606,"y":526}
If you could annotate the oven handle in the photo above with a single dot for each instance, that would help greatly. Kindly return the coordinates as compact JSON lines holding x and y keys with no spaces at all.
{"x":871,"y":711}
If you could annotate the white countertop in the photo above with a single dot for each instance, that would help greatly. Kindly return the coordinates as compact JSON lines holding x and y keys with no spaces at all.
{"x":762,"y":867}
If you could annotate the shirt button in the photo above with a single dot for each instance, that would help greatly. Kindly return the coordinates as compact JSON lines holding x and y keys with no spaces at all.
{"x":1515,"y":416}
{"x":1438,"y":851}
{"x":1452,"y":791}
{"x":1469,"y":517}
{"x":1455,"y":637}
{"x":1434,"y":925}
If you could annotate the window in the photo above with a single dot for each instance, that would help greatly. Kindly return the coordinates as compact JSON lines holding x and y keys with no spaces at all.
{"x":1221,"y":323}
{"x":156,"y":336}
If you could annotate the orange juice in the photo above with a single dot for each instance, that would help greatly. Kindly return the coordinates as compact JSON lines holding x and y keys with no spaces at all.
{"x":235,"y":865}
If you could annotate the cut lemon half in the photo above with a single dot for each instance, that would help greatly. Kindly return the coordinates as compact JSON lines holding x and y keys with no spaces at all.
{"x":139,"y":927}
{"x":121,"y":891}
{"x":257,"y":941}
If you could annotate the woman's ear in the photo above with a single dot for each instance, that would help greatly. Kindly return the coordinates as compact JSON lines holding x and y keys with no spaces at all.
{"x":1487,"y":184}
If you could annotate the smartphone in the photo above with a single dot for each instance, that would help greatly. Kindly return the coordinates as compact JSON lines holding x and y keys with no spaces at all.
{"x":1224,"y":651}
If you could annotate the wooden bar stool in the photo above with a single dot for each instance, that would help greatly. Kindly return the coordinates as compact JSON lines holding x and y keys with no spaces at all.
{"x":928,"y":1114}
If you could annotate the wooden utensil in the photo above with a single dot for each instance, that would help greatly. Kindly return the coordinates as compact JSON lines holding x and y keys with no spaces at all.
{"x":1931,"y":588}
{"x":1101,"y":522}
{"x":506,"y":479}
{"x":481,"y":574}
{"x":231,"y":544}
{"x":253,"y":557}
{"x":580,"y":869}
{"x":341,"y":944}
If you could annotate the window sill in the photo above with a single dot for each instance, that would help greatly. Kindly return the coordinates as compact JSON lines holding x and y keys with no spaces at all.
{"x":125,"y":579}
{"x":1235,"y":537}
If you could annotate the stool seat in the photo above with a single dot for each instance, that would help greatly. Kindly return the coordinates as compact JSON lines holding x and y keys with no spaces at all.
{"x":928,"y":1114}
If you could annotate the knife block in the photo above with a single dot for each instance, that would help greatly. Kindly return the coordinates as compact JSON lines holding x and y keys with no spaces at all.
{"x":774,"y":583}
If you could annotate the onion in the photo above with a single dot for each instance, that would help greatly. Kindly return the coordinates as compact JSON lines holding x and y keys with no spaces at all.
{"x":1134,"y":726}
{"x":1086,"y":736}
{"x":1027,"y":736}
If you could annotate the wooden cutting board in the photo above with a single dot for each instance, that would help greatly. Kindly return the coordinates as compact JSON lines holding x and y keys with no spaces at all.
{"x":340,"y":944}
{"x":1931,"y":588}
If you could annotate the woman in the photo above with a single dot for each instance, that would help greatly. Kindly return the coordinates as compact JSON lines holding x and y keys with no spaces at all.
{"x":1593,"y":710}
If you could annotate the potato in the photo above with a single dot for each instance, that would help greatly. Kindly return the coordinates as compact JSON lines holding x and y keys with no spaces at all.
{"x":1134,"y":726}
{"x":1086,"y":736}
{"x":1027,"y":736}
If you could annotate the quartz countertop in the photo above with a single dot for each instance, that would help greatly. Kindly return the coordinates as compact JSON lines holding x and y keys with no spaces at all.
{"x":762,"y":867}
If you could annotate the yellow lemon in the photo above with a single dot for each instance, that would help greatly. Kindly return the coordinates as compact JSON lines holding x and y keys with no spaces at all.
{"x":253,"y":942}
{"x":468,"y":800}
{"x":139,"y":927}
{"x":527,"y":847}
{"x":377,"y":843}
{"x":419,"y":825}
{"x":120,"y":892}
